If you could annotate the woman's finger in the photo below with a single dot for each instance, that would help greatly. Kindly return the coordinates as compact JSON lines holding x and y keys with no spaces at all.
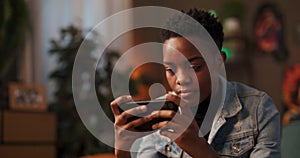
{"x":117,"y":102}
{"x":168,"y":114}
{"x":183,"y":109}
{"x":135,"y":123}
{"x":123,"y":117}
{"x":159,"y":125}
{"x":173,"y":98}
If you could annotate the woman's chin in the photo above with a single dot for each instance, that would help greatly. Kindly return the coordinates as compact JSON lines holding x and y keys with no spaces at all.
{"x":191,"y":102}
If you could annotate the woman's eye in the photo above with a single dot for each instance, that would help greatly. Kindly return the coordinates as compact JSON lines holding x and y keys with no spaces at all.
{"x":196,"y":67}
{"x":170,"y":70}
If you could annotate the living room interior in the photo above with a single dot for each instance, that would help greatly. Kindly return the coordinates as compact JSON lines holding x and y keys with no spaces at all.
{"x":40,"y":48}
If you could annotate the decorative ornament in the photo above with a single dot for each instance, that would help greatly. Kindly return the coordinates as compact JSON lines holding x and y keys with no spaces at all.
{"x":291,"y":94}
{"x":269,"y":31}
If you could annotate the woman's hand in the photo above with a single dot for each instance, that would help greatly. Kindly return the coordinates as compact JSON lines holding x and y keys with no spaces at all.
{"x":183,"y":129}
{"x":124,"y":136}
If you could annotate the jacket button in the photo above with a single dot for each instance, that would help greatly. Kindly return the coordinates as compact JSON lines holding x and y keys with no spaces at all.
{"x":235,"y":147}
{"x":168,"y":148}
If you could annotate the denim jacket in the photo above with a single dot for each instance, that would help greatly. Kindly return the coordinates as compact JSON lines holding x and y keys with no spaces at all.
{"x":248,"y":126}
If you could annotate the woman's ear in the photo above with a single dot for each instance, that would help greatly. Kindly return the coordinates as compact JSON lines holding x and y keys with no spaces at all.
{"x":224,"y":57}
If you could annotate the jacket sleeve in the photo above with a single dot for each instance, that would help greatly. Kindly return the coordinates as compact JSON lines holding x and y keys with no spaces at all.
{"x":145,"y":147}
{"x":268,"y":124}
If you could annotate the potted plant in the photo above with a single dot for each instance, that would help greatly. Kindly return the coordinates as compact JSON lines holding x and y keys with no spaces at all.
{"x":74,"y":139}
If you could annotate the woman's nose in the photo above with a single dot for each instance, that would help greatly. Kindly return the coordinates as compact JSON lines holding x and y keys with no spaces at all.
{"x":183,"y":77}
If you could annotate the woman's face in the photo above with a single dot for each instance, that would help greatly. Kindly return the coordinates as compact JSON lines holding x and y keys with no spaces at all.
{"x":185,"y":69}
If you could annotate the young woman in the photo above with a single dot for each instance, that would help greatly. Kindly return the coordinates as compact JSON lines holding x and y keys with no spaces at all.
{"x":248,"y":125}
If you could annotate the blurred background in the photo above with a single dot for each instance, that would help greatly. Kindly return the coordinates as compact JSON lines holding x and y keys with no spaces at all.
{"x":39,"y":40}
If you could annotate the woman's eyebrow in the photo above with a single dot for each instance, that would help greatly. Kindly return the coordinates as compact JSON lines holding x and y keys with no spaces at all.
{"x":168,"y":63}
{"x":188,"y":60}
{"x":195,"y":58}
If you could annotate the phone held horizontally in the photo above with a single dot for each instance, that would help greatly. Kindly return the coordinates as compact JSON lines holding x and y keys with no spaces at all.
{"x":152,"y":105}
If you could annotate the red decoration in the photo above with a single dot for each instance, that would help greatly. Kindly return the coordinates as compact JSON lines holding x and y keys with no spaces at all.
{"x":291,"y":93}
{"x":269,"y":31}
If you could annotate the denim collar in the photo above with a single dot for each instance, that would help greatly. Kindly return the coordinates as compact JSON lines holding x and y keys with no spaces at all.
{"x":232,"y":104}
{"x":231,"y":107}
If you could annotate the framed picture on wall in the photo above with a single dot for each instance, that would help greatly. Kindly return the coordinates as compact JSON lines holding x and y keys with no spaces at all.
{"x":27,"y":97}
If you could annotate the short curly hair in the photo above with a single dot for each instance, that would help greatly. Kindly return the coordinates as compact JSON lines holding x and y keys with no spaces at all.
{"x":206,"y":19}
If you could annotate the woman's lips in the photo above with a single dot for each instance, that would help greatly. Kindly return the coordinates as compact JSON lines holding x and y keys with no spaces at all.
{"x":186,"y":94}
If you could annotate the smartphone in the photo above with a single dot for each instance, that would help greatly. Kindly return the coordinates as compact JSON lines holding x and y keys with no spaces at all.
{"x":152,"y":105}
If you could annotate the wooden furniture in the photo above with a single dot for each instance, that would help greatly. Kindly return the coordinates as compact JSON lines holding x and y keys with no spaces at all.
{"x":105,"y":155}
{"x":27,"y":134}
